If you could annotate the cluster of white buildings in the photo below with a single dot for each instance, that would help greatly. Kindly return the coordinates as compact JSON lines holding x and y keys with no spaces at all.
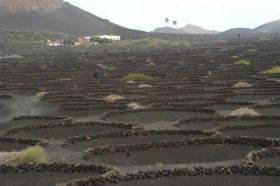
{"x":56,"y":43}
{"x":110,"y":37}
{"x":83,"y":40}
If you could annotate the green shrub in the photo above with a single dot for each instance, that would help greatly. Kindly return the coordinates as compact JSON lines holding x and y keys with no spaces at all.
{"x":124,"y":43}
{"x":154,"y":43}
{"x":252,"y":51}
{"x":275,"y":70}
{"x":100,"y":40}
{"x":179,"y":44}
{"x":35,"y":155}
{"x":264,"y":39}
{"x":243,"y":62}
{"x":137,"y":77}
{"x":159,"y":165}
{"x":68,"y":42}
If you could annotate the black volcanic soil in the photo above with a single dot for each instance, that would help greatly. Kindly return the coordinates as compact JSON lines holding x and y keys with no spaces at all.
{"x":179,"y":155}
{"x":81,"y":146}
{"x":256,"y":132}
{"x":205,"y":181}
{"x":74,"y":81}
{"x":38,"y":179}
{"x":156,"y":120}
{"x":9,"y":147}
{"x":64,"y":132}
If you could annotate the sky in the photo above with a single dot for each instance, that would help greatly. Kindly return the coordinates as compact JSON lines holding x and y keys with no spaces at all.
{"x":217,"y":15}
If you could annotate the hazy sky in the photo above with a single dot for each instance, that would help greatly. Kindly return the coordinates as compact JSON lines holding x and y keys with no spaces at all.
{"x":212,"y":14}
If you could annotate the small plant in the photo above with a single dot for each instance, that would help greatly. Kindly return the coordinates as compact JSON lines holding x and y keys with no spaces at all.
{"x":180,"y":44}
{"x":159,"y":165}
{"x":252,"y":51}
{"x":33,"y":155}
{"x":113,"y":98}
{"x":137,"y":77}
{"x":273,"y":71}
{"x":154,"y":43}
{"x":242,"y":85}
{"x":264,"y":39}
{"x":100,"y":40}
{"x":68,"y":42}
{"x":243,"y":62}
{"x":41,"y":94}
{"x":145,"y":86}
{"x":244,"y":112}
{"x":135,"y":106}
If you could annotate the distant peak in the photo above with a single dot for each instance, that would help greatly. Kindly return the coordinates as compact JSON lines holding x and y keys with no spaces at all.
{"x":194,"y":29}
{"x":18,"y":6}
{"x":191,"y":25}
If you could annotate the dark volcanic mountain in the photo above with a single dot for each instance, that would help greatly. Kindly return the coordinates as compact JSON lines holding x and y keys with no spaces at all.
{"x":272,"y":27}
{"x":240,"y":31}
{"x":193,"y":29}
{"x":55,"y":16}
{"x":168,"y":30}
{"x":188,"y":29}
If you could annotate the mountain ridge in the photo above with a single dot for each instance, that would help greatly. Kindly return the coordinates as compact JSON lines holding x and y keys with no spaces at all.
{"x":57,"y":16}
{"x":188,"y":29}
{"x":11,"y":7}
{"x":270,"y":27}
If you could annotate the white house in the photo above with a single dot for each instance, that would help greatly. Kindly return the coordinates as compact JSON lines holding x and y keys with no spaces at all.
{"x":111,"y":37}
{"x":55,"y":43}
{"x":87,"y":38}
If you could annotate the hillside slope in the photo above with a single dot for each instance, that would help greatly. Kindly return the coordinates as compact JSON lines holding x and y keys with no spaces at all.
{"x":193,"y":29}
{"x":271,"y":27}
{"x":55,"y":16}
{"x":188,"y":29}
{"x":240,"y":31}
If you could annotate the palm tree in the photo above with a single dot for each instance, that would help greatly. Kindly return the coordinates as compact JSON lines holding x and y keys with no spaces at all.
{"x":175,"y":23}
{"x":167,"y":21}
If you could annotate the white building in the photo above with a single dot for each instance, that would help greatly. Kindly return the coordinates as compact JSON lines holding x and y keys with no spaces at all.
{"x":55,"y":43}
{"x":111,"y":37}
{"x":87,"y":38}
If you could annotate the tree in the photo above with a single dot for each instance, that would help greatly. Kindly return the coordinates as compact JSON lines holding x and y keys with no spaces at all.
{"x":100,"y":40}
{"x":68,"y":42}
{"x":167,"y":21}
{"x":175,"y":23}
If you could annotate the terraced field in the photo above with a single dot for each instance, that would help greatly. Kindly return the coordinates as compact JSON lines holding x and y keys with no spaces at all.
{"x":199,"y":118}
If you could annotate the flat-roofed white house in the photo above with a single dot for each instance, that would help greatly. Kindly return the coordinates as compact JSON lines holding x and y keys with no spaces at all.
{"x":55,"y":43}
{"x":87,"y":38}
{"x":111,"y":37}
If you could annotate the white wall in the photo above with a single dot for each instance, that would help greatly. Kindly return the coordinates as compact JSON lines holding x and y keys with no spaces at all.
{"x":114,"y":38}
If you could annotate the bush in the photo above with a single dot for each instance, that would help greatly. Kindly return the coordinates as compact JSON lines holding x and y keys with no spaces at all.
{"x":252,"y":51}
{"x":242,"y":85}
{"x":135,"y":106}
{"x":180,"y":44}
{"x":244,"y":112}
{"x":100,"y":40}
{"x":264,"y":39}
{"x":68,"y":42}
{"x":243,"y":62}
{"x":155,"y":43}
{"x":273,"y":71}
{"x":113,"y":98}
{"x":33,"y":155}
{"x":145,"y":86}
{"x":41,"y":94}
{"x":137,"y":77}
{"x":159,"y":165}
